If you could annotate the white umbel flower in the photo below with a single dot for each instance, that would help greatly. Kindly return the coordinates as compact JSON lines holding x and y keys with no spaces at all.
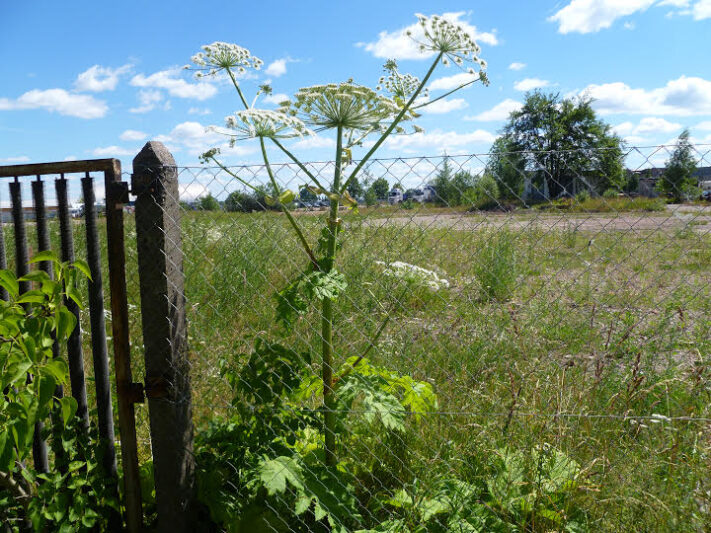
{"x":220,"y":56}
{"x":414,"y":274}
{"x":251,"y":123}
{"x":348,"y":105}
{"x":441,"y":35}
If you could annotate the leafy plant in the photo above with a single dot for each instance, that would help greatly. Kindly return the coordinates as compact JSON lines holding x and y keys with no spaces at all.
{"x":77,"y":497}
{"x":496,"y":266}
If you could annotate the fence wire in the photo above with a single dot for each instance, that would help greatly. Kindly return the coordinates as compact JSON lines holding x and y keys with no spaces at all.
{"x":520,"y":342}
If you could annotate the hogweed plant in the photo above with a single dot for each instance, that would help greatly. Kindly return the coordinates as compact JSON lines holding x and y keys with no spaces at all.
{"x":353,"y":113}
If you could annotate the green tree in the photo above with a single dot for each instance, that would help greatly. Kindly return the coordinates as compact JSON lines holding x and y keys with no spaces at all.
{"x":678,"y":182}
{"x":380,"y":187}
{"x":443,"y":183}
{"x":484,"y":194}
{"x":564,"y":145}
{"x":208,"y":203}
{"x":355,"y":189}
{"x":242,"y":202}
{"x":307,"y":195}
{"x":507,"y":168}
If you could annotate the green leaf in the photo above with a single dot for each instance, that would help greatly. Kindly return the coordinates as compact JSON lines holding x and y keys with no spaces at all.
{"x":274,"y":474}
{"x":7,"y":455}
{"x":69,"y":408}
{"x":9,"y":282}
{"x":83,"y":267}
{"x":36,"y":275}
{"x":47,"y":384}
{"x":47,"y":255}
{"x":66,"y":322}
{"x":32,"y":297}
{"x":287,"y":196}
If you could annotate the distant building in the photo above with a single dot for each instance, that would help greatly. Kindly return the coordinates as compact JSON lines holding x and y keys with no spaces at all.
{"x":648,"y":178}
{"x":29,"y":212}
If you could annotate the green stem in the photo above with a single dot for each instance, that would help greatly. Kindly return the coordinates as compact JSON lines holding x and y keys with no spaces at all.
{"x":329,"y":400}
{"x":299,"y":163}
{"x":284,"y":209}
{"x":392,"y":126}
{"x":445,"y":95}
{"x":239,"y":91}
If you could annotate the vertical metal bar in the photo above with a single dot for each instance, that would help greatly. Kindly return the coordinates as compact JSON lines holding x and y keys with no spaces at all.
{"x":122,"y":353}
{"x":42,"y":246}
{"x":39,"y":446}
{"x":98,"y":330}
{"x":3,"y":259}
{"x":75,"y":356}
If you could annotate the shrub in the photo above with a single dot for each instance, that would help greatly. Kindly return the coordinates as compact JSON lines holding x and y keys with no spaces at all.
{"x":610,"y":193}
{"x":495,"y":265}
{"x":484,"y":194}
{"x":583,"y":196}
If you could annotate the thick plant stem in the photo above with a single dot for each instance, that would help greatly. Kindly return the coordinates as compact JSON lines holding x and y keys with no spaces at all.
{"x":285,"y":210}
{"x":329,"y":400}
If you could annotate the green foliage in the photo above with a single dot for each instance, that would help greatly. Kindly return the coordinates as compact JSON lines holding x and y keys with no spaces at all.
{"x":208,"y":203}
{"x":371,"y":198}
{"x":380,"y":188}
{"x":312,"y":285}
{"x":408,"y":204}
{"x":484,"y":194}
{"x":78,"y":496}
{"x":678,"y":182}
{"x":243,"y":202}
{"x":355,"y":189}
{"x":496,"y":266}
{"x":558,"y":141}
{"x":507,"y":167}
{"x":610,"y":193}
{"x":582,"y":197}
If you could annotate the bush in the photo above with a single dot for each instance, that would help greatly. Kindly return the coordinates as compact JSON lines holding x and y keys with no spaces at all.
{"x":495,"y":265}
{"x":610,"y":193}
{"x":583,"y":196}
{"x":408,"y":204}
{"x":208,"y":203}
{"x":370,"y":198}
{"x":243,"y":202}
{"x":484,"y":194}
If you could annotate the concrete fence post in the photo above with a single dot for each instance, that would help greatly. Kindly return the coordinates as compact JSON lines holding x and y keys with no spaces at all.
{"x":167,"y":382}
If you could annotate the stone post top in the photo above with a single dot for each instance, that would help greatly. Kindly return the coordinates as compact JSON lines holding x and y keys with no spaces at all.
{"x":153,"y":154}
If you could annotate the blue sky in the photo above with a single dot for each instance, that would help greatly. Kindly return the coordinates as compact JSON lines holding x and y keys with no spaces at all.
{"x":99,"y":79}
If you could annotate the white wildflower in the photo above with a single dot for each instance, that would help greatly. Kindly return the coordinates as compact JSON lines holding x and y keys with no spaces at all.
{"x":220,"y":56}
{"x":348,"y":105}
{"x":399,"y":86}
{"x":415,"y":274}
{"x":251,"y":123}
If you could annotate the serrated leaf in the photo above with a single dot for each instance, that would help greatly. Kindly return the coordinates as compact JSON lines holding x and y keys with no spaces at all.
{"x":276,"y":473}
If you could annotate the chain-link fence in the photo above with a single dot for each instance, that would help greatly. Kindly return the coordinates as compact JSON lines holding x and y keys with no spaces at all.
{"x":506,"y":342}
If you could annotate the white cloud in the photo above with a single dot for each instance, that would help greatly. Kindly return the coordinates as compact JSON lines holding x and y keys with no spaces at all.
{"x":517,"y":66}
{"x":192,"y":191}
{"x":314,"y":141}
{"x":438,"y":141}
{"x":701,"y":10}
{"x":18,"y":159}
{"x":176,"y":86}
{"x":59,"y":101}
{"x":445,"y":105}
{"x":529,"y":84}
{"x":398,"y":45}
{"x":199,"y":111}
{"x":452,"y":82}
{"x":706,"y":125}
{"x":275,"y":98}
{"x":648,"y":125}
{"x":276,"y":68}
{"x":148,"y":100}
{"x":196,"y":139}
{"x":685,"y":96}
{"x":500,"y":111}
{"x":586,"y":16}
{"x":133,"y":135}
{"x":113,"y":151}
{"x":98,"y":78}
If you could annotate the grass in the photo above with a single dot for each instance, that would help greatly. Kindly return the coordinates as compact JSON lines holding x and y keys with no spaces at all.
{"x":597,"y":344}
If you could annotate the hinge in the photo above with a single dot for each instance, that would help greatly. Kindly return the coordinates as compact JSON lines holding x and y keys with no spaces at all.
{"x":118,"y":191}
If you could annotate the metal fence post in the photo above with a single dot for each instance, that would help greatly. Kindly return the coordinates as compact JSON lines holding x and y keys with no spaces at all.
{"x":160,"y":263}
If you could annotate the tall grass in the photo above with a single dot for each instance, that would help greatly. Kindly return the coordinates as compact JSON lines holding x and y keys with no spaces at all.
{"x":495,"y":265}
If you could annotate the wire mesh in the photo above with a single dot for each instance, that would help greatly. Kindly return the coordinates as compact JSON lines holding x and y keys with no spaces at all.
{"x":522,"y":344}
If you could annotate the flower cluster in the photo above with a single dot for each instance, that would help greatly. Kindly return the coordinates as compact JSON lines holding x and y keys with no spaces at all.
{"x":414,"y":274}
{"x":220,"y":56}
{"x":350,"y":106}
{"x":443,"y":36}
{"x":399,"y":86}
{"x":252,"y":123}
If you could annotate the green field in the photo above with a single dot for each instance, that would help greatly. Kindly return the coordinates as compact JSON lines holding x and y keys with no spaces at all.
{"x":593,"y":343}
